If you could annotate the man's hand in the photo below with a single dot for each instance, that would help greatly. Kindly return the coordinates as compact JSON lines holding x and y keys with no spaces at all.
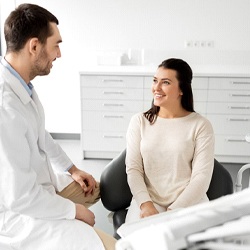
{"x":85,"y":215}
{"x":148,"y":209}
{"x":85,"y":180}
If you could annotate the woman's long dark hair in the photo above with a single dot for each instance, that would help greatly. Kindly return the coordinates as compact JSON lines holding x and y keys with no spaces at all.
{"x":184,"y":75}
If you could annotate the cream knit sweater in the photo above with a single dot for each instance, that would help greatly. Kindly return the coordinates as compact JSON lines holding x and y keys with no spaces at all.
{"x":170,"y":162}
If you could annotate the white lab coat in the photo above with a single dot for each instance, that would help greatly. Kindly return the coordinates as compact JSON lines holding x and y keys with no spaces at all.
{"x":32,"y":169}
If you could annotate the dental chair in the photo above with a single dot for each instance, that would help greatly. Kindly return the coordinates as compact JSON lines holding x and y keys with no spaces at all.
{"x":116,"y":195}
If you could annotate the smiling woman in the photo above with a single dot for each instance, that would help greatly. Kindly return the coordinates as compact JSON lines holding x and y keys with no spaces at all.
{"x":172,"y":91}
{"x":170,"y":148}
{"x":167,"y":94}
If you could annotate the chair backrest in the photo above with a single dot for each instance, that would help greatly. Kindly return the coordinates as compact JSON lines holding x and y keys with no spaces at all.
{"x":221,"y":183}
{"x":116,"y":195}
{"x":114,"y":189}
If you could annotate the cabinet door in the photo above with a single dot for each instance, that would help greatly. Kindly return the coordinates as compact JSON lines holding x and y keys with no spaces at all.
{"x":105,"y":121}
{"x":104,"y":145}
{"x":229,"y":145}
{"x":228,"y":95}
{"x":236,"y":108}
{"x":229,"y":83}
{"x":109,"y":81}
{"x":230,"y":124}
{"x":118,"y":106}
{"x":111,"y":93}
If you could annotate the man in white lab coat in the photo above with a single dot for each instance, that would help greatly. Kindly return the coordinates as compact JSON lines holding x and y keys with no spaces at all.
{"x":37,"y":179}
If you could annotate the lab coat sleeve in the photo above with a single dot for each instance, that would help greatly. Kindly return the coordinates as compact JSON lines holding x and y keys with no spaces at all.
{"x":20,"y":191}
{"x":58,"y":158}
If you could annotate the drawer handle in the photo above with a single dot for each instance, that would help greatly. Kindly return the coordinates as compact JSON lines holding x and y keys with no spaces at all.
{"x":239,"y":119}
{"x":241,"y":82}
{"x":113,"y":116}
{"x":247,"y":137}
{"x":112,"y":80}
{"x":235,"y":140}
{"x":112,"y":92}
{"x":240,"y":95}
{"x":113,"y":105}
{"x":235,"y":107}
{"x":113,"y":136}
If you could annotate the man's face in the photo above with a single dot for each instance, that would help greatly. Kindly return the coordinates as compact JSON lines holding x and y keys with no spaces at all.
{"x":48,"y":53}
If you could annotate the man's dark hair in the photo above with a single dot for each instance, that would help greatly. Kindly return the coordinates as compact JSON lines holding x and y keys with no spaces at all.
{"x":25,"y":22}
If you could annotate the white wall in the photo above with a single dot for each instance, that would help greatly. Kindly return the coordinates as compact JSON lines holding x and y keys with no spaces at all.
{"x":161,"y":27}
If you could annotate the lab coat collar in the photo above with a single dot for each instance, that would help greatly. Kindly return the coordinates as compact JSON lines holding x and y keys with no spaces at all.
{"x":24,"y":96}
{"x":15,"y":84}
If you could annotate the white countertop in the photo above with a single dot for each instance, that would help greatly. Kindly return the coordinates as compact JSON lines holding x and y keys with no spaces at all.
{"x":149,"y":70}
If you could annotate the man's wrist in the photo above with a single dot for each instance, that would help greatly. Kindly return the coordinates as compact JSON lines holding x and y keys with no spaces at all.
{"x":72,"y":169}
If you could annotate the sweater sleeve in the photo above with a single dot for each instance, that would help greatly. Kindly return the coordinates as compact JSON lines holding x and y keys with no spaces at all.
{"x":134,"y":162}
{"x":202,"y":167}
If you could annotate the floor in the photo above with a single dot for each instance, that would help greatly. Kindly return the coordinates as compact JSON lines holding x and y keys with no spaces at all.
{"x":94,"y":167}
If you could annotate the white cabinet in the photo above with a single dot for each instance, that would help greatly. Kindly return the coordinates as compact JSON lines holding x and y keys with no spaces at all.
{"x":107,"y":104}
{"x":108,"y":100}
{"x":228,"y":109}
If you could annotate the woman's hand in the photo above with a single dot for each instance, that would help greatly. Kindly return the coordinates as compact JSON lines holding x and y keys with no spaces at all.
{"x":148,"y":209}
{"x":85,"y":180}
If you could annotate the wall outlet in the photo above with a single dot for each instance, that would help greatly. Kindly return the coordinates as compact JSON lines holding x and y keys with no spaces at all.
{"x":199,"y":44}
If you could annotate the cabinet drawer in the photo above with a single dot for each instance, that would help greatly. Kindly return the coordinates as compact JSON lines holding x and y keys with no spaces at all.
{"x":228,"y":108}
{"x":111,"y":93}
{"x":112,"y":105}
{"x":229,"y":83}
{"x":112,"y":81}
{"x":230,"y":124}
{"x":231,"y":145}
{"x":105,"y":121}
{"x":228,"y":96}
{"x":103,"y":141}
{"x":197,"y":83}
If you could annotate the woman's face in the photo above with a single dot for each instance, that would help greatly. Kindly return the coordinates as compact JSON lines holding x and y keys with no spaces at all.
{"x":165,"y":88}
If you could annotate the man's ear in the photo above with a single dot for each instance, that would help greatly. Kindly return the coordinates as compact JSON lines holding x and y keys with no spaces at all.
{"x":33,"y":45}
